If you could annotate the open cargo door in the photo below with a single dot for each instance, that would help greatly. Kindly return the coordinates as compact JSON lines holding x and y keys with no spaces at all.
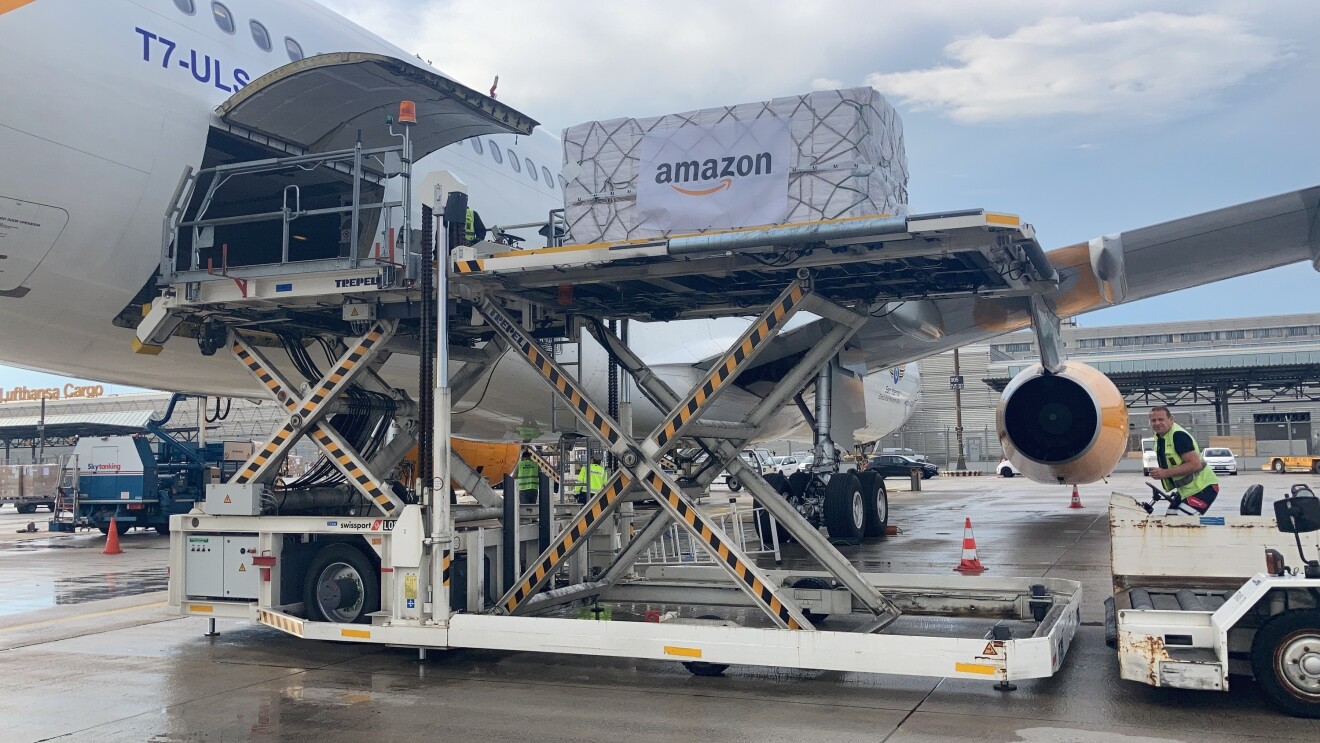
{"x":322,"y":104}
{"x":326,"y":102}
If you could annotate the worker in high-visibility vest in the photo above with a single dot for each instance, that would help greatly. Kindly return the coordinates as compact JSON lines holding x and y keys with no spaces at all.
{"x":591,"y":478}
{"x":474,"y":230}
{"x":1181,"y":466}
{"x":528,"y":476}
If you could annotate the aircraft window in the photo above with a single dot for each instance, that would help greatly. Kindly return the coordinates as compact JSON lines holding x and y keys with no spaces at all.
{"x":476,"y":144}
{"x":185,"y":6}
{"x":496,"y":154}
{"x":260,"y":35}
{"x":549,"y":179}
{"x":531,"y":169}
{"x":295,"y":51}
{"x":513,"y":161}
{"x":223,"y":18}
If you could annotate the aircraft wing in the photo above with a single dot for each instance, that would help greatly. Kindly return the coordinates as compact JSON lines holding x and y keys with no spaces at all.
{"x":1127,"y":266}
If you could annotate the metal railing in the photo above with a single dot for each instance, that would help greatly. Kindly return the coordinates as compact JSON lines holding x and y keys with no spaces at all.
{"x":676,"y":544}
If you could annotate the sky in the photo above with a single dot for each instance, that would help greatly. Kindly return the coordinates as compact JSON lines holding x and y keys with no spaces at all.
{"x":1083,"y":118}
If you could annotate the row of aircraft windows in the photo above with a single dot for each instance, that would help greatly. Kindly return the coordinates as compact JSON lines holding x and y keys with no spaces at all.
{"x":497,"y":154}
{"x":224,"y":19}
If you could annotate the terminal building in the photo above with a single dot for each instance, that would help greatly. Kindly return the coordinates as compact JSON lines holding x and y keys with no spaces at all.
{"x":1251,"y":384}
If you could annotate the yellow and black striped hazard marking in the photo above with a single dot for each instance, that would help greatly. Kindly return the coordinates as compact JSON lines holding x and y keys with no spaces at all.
{"x":544,"y":464}
{"x":353,"y":468}
{"x":282,"y":622}
{"x":475,"y":266}
{"x":567,"y":539}
{"x":740,"y":568}
{"x":724,"y":370}
{"x":308,"y":406}
{"x":569,"y":390}
{"x":341,"y":370}
{"x":446,"y":565}
{"x":257,"y":369}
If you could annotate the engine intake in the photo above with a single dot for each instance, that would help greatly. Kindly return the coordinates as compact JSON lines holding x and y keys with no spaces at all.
{"x":1070,"y":427}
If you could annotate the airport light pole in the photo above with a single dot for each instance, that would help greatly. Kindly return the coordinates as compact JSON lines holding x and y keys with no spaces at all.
{"x":957,"y":384}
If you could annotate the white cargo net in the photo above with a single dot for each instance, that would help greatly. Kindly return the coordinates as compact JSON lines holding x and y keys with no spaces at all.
{"x":846,"y":159}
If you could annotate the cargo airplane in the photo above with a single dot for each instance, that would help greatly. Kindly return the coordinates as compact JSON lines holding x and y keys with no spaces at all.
{"x":107,"y":103}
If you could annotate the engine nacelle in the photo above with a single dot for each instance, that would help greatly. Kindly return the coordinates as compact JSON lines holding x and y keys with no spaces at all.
{"x":1070,"y":427}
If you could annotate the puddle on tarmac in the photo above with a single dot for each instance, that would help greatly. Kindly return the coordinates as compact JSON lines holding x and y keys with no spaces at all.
{"x":44,"y":594}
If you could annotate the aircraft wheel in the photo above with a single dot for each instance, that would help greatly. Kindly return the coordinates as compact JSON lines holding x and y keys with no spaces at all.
{"x":845,"y":509}
{"x":341,"y":586}
{"x":1285,"y":657}
{"x":876,"y":502}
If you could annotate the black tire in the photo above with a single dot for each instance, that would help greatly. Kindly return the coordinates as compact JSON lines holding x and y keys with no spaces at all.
{"x":818,"y":584}
{"x":1278,"y":467}
{"x":342,"y":585}
{"x":1284,"y":657}
{"x":798,"y":482}
{"x":26,"y":507}
{"x":120,"y":526}
{"x":845,"y":512}
{"x":1315,"y":467}
{"x":875,"y":499}
{"x":702,"y":668}
{"x":1005,"y":472}
{"x":763,"y":518}
{"x":732,"y":483}
{"x":163,"y":529}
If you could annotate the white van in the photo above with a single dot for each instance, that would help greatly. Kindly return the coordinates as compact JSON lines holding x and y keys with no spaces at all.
{"x":1148,"y":459}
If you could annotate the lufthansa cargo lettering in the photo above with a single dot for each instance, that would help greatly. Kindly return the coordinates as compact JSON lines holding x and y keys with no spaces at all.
{"x":68,"y":392}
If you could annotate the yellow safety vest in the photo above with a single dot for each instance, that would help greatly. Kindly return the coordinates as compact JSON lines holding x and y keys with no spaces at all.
{"x":528,"y":475}
{"x":470,"y":228}
{"x":1187,"y":484}
{"x":592,"y":476}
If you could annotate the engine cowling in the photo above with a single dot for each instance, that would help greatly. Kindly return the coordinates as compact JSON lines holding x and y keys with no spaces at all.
{"x":1070,"y":427}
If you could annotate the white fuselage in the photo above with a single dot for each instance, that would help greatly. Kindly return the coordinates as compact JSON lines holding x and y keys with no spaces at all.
{"x":105,"y":106}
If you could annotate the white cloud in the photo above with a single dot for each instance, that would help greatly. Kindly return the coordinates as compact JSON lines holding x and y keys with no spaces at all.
{"x":822,"y":83}
{"x":1151,"y":66}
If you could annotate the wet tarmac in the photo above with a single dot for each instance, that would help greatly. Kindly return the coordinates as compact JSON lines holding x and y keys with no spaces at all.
{"x":124,"y":669}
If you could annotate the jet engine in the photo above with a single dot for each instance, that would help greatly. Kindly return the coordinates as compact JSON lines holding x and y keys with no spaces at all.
{"x":1070,"y":427}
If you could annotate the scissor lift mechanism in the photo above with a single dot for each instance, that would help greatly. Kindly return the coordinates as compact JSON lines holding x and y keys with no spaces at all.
{"x":839,"y":270}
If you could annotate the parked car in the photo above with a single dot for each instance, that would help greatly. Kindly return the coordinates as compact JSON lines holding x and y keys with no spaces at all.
{"x":1149,"y":459}
{"x":910,"y":454}
{"x":1220,"y":460}
{"x":894,"y":465}
{"x":787,"y":465}
{"x":1005,"y":468}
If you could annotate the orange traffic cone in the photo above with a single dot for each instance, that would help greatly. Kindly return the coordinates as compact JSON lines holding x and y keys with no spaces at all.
{"x":112,"y":540}
{"x":970,"y":562}
{"x":1076,"y":499}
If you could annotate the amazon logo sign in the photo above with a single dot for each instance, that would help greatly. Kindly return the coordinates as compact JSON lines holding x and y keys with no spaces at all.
{"x":723,"y":170}
{"x":712,"y":176}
